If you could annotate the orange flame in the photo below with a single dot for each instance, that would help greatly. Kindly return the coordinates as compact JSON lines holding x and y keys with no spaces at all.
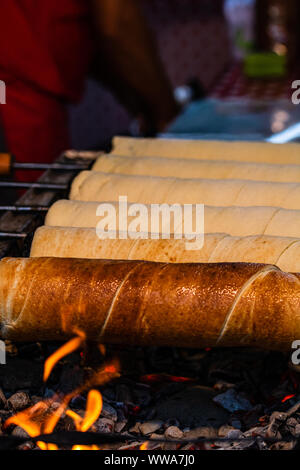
{"x":65,"y":350}
{"x":93,"y":411}
{"x":35,"y":421}
{"x":144,"y":446}
{"x":43,"y":417}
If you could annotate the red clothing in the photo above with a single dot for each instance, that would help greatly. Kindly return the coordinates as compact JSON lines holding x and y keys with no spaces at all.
{"x":45,"y":51}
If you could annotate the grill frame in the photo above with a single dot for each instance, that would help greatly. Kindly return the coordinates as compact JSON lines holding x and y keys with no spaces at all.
{"x":24,"y":224}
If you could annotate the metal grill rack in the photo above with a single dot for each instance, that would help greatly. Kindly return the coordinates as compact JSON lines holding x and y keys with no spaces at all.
{"x":19,"y":220}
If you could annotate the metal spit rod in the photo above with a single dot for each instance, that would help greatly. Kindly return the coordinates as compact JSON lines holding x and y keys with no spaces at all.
{"x":44,"y":186}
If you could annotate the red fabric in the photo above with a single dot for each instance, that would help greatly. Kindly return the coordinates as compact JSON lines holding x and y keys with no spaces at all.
{"x":45,"y":50}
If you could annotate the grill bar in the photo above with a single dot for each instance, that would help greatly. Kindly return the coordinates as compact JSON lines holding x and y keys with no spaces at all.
{"x":45,"y":186}
{"x":46,"y":166}
{"x":26,"y":209}
{"x":12,"y":235}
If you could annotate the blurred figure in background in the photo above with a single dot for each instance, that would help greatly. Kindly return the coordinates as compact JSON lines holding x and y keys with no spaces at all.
{"x":48,"y":48}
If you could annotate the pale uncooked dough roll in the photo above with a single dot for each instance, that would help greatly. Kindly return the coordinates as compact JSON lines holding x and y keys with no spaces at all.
{"x":260,"y":152}
{"x":65,"y":213}
{"x":94,"y":186}
{"x":84,"y":243}
{"x":236,"y":221}
{"x":196,"y":169}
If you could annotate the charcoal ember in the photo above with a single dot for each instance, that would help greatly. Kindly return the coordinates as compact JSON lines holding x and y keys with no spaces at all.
{"x":233,"y":401}
{"x":150,"y":427}
{"x":290,"y":425}
{"x":193,"y":407}
{"x":28,"y":446}
{"x":109,"y":393}
{"x":120,"y":426}
{"x":66,"y":423}
{"x":78,"y":402}
{"x":169,"y":389}
{"x":20,"y":432}
{"x":3,"y":401}
{"x":159,"y":437}
{"x":189,"y":446}
{"x":245,"y":444}
{"x":49,"y":393}
{"x":173,"y":432}
{"x":36,"y":399}
{"x":171,"y":446}
{"x":234,"y":434}
{"x":294,"y":410}
{"x":20,"y":374}
{"x":261,"y":444}
{"x":123,"y":394}
{"x":297,"y":431}
{"x":104,"y":425}
{"x":4,"y":415}
{"x":121,"y":415}
{"x":277,"y":419}
{"x":11,"y":348}
{"x":224,"y":430}
{"x":235,"y":420}
{"x":132,"y":446}
{"x":71,"y":377}
{"x":142,"y":395}
{"x":257,"y":432}
{"x":205,"y":432}
{"x":283,"y":445}
{"x":135,"y":429}
{"x":222,"y":386}
{"x":236,"y":441}
{"x":155,"y":446}
{"x":19,"y":401}
{"x":109,"y":412}
{"x":149,"y":414}
{"x":171,"y":422}
{"x":251,"y":418}
{"x":282,"y":390}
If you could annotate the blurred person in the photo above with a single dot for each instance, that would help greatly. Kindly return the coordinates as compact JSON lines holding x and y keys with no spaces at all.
{"x":47,"y":50}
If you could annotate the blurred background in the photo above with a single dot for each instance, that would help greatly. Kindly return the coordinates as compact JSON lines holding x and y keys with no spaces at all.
{"x":244,"y":54}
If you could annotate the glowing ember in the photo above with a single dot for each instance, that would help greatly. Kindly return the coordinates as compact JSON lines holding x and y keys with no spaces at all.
{"x":158,"y":378}
{"x":144,"y":446}
{"x":288,"y":397}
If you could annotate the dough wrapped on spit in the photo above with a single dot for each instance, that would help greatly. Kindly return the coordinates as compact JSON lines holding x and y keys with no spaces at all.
{"x":236,"y":221}
{"x":196,"y":169}
{"x":259,"y":152}
{"x":94,"y":186}
{"x":85,"y":243}
{"x":138,"y":303}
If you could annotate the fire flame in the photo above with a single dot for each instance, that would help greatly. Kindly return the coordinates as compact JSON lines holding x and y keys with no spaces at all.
{"x":65,"y":350}
{"x":93,"y":411}
{"x":144,"y":446}
{"x":43,"y":417}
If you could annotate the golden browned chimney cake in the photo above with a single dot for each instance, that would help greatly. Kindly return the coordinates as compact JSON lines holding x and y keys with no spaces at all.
{"x":63,"y":242}
{"x":138,"y":303}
